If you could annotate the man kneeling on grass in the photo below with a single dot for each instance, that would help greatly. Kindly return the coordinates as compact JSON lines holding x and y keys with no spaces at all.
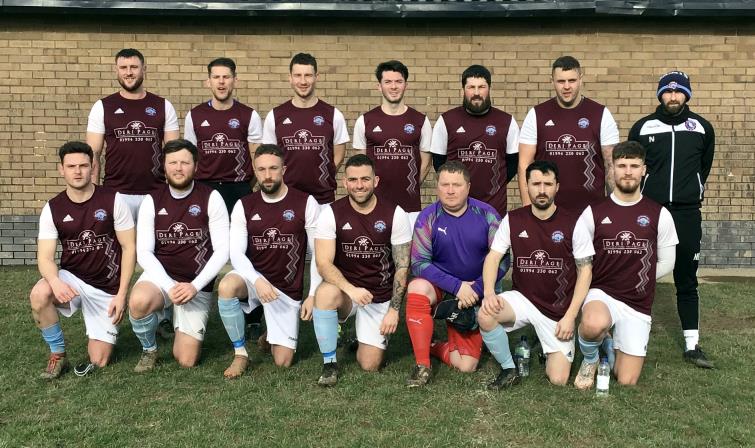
{"x":96,"y":233}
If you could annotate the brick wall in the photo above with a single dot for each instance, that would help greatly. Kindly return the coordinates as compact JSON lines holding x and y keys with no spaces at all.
{"x":52,"y":68}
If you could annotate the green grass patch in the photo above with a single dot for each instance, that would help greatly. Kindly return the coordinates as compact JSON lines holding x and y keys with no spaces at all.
{"x":674,"y":405}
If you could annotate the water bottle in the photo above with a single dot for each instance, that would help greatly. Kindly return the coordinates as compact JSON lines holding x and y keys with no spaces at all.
{"x":604,"y":378}
{"x":523,"y":357}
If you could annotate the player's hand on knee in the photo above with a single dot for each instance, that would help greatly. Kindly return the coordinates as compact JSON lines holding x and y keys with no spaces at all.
{"x":492,"y":304}
{"x":565,"y":328}
{"x":466,"y":295}
{"x":390,"y":322}
{"x":360,"y":296}
{"x":182,"y":293}
{"x":306,"y":308}
{"x":265,"y":290}
{"x":116,"y":308}
{"x":62,"y":291}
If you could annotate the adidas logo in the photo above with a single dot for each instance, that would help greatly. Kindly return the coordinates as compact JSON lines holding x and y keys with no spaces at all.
{"x":346,"y":226}
{"x":205,"y":124}
{"x":460,"y":130}
{"x":377,"y":129}
{"x":550,"y":123}
{"x":523,"y":234}
{"x":256,"y":217}
{"x":287,"y":121}
{"x":119,"y":111}
{"x":606,"y":220}
{"x":162,"y":212}
{"x":67,"y":218}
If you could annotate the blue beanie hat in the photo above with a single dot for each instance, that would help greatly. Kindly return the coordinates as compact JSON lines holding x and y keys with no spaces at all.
{"x":674,"y":81}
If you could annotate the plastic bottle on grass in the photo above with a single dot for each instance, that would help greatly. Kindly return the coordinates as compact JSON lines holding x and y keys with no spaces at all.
{"x":604,"y":378}
{"x":523,"y":357}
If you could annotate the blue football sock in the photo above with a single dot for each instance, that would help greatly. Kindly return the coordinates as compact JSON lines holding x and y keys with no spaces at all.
{"x":53,"y":335}
{"x":145,"y":329}
{"x":326,"y":330}
{"x":607,"y":346}
{"x":497,"y":342}
{"x":589,"y":349}
{"x":233,"y":320}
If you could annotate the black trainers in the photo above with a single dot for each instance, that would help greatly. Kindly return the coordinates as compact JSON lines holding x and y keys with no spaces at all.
{"x":165,"y":329}
{"x":698,"y":358}
{"x":505,"y":379}
{"x":420,"y":376}
{"x":84,"y":369}
{"x":329,"y":375}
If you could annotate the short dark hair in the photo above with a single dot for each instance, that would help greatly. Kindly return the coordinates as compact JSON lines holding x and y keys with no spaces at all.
{"x":629,"y":150}
{"x":454,"y":166}
{"x":179,"y":144}
{"x":129,"y":53}
{"x":222,"y":62}
{"x":75,"y":148}
{"x":303,"y":59}
{"x":391,"y":66}
{"x":544,"y":166}
{"x":566,"y":63}
{"x":359,"y":160}
{"x":475,"y":71}
{"x":268,"y":148}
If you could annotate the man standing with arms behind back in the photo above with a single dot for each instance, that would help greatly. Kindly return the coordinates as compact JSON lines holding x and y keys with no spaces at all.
{"x":680,"y":146}
{"x":575,"y":132}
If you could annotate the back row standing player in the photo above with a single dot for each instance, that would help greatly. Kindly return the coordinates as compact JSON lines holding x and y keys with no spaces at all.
{"x":311,"y":132}
{"x":575,"y":132}
{"x":226,"y":133}
{"x":397,"y":138}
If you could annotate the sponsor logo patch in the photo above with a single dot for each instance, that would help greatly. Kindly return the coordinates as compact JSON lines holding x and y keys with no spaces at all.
{"x":380,"y":226}
{"x":100,"y":214}
{"x":583,"y":123}
{"x":318,"y":120}
{"x":289,"y":215}
{"x":643,"y":221}
{"x":557,"y":236}
{"x":409,"y":128}
{"x":150,"y":111}
{"x":195,"y":210}
{"x":690,"y":124}
{"x":490,"y":129}
{"x":234,"y":123}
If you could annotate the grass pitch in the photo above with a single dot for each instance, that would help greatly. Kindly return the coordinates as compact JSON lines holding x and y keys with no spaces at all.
{"x":674,"y":405}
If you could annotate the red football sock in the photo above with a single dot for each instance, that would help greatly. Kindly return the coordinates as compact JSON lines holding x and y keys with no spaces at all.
{"x":419,"y":322}
{"x":442,"y":351}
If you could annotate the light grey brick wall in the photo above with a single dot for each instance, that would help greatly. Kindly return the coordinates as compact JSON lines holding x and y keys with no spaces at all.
{"x":18,"y":240}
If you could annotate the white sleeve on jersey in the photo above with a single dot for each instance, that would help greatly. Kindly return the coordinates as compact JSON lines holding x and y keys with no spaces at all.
{"x":47,"y":229}
{"x":189,"y":129}
{"x":359,"y":141}
{"x":665,"y":262}
{"x":268,"y":130}
{"x":122,"y":219}
{"x":218,"y":217}
{"x":502,"y":239}
{"x":512,"y":138}
{"x":96,"y":121}
{"x":439,"y":142}
{"x":239,"y":240}
{"x":609,"y":131}
{"x":145,"y":245}
{"x":311,"y":216}
{"x":340,"y":133}
{"x":528,"y":134}
{"x":666,"y":229}
{"x":581,"y":241}
{"x":254,"y":131}
{"x":326,"y":224}
{"x":425,"y":140}
{"x":586,"y":224}
{"x":401,"y":232}
{"x":171,"y":119}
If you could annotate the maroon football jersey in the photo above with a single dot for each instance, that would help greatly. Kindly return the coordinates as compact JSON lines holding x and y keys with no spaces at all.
{"x":479,"y":141}
{"x":222,"y":142}
{"x":134,"y":139}
{"x":87,"y":236}
{"x":571,"y":138}
{"x":544,"y":268}
{"x":364,"y":253}
{"x":626,"y":251}
{"x":393,"y":143}
{"x":277,"y":239}
{"x":182,"y":232}
{"x":306,"y":137}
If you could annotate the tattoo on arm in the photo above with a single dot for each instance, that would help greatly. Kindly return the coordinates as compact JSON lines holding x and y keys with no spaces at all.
{"x":401,"y":261}
{"x":586,"y":261}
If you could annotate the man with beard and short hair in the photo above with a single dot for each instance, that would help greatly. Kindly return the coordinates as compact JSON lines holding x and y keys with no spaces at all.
{"x":132,"y":125}
{"x":182,"y":244}
{"x":451,"y":239}
{"x":552,"y":264}
{"x":362,"y":252}
{"x":575,"y":132}
{"x":226,"y":133}
{"x":397,"y":138}
{"x":482,"y":137}
{"x":634,"y":239}
{"x":680,"y":146}
{"x":270,"y":232}
{"x":311,"y":132}
{"x":96,"y":233}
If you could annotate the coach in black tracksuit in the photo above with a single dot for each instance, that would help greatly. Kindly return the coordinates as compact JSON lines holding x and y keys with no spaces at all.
{"x":680,"y":147}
